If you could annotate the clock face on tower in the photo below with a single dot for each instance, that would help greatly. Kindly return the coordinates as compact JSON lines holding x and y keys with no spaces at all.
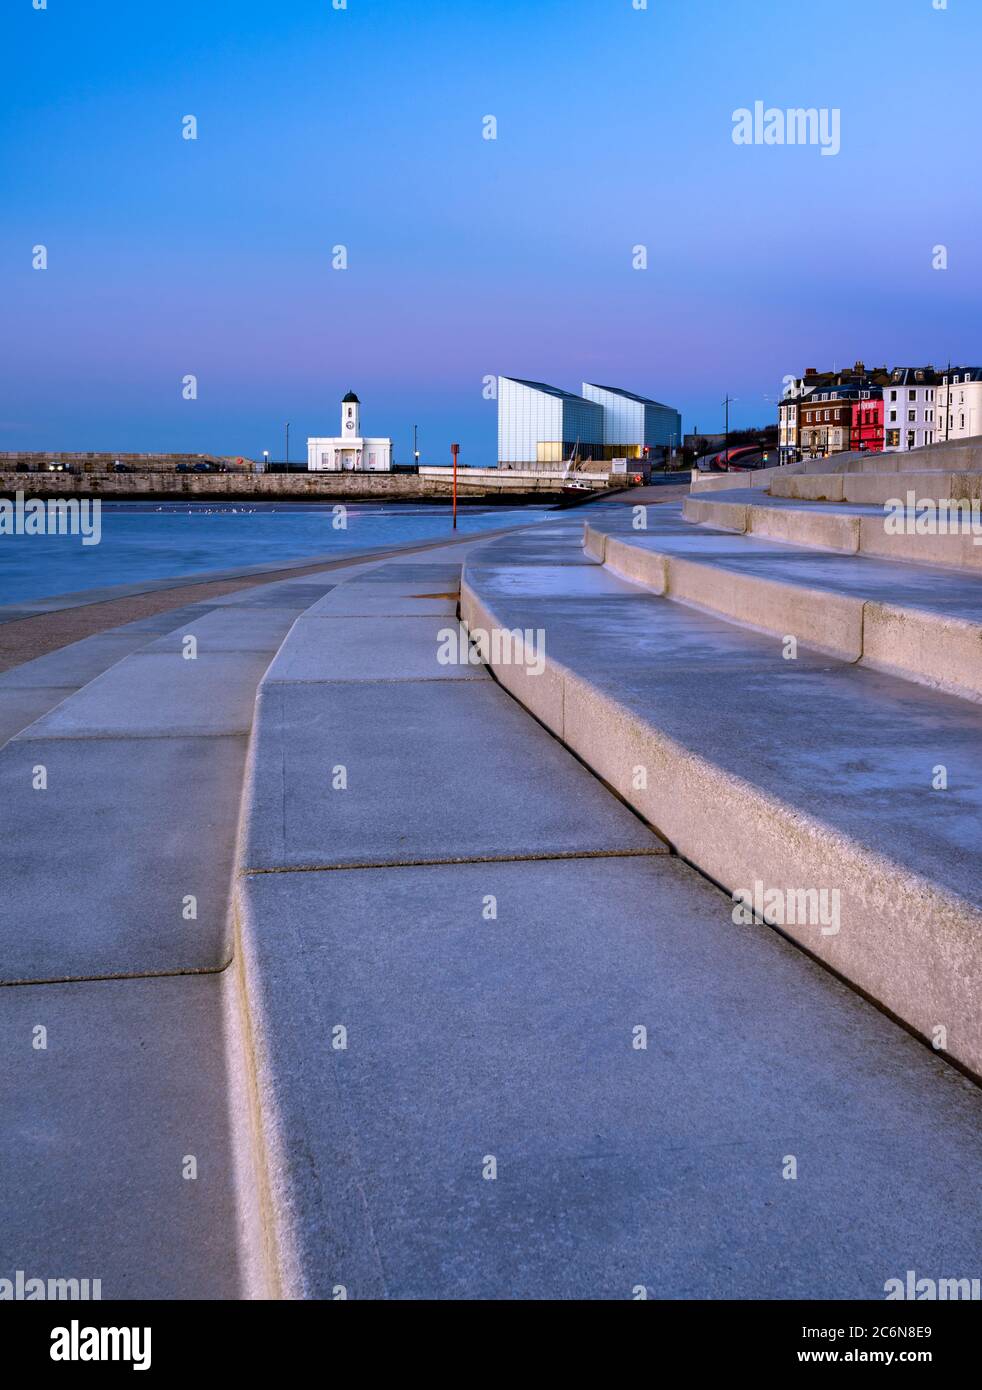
{"x":349,"y":424}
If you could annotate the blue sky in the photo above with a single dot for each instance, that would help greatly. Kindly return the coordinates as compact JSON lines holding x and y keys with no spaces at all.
{"x":466,"y":257}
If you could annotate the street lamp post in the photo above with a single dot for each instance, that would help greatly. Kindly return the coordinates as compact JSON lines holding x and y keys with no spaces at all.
{"x":727,"y":402}
{"x":265,"y":460}
{"x":455,"y":450}
{"x":288,"y":443}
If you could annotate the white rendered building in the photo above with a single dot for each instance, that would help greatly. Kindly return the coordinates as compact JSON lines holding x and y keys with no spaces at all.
{"x":960,"y":404}
{"x":350,"y":451}
{"x":910,"y":409}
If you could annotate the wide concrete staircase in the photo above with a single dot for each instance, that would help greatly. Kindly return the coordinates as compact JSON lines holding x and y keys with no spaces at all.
{"x":784,"y":715}
{"x":126,"y":1152}
{"x":331,"y":972}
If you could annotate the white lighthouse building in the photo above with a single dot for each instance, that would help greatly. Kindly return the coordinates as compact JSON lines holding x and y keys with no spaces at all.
{"x":349,"y":452}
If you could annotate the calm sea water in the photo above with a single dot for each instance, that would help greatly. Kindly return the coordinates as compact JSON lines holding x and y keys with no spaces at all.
{"x":150,"y":540}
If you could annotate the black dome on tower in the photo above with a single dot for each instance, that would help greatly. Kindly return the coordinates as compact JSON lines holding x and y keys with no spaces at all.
{"x":350,"y":399}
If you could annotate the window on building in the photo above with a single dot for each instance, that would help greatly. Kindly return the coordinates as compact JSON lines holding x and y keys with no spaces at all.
{"x":893,"y":416}
{"x":893,"y":395}
{"x":912,"y":395}
{"x":911,"y":416}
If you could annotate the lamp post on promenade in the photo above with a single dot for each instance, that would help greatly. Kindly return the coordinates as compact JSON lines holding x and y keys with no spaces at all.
{"x":727,"y":402}
{"x":455,"y":450}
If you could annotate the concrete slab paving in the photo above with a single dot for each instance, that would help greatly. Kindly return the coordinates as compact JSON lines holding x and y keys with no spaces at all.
{"x":955,"y":593}
{"x":434,"y":770}
{"x":539,"y":581}
{"x":251,"y":629}
{"x":157,"y":623}
{"x":515,"y":1039}
{"x":408,"y":571}
{"x":129,"y":828}
{"x":21,"y":706}
{"x":152,"y":695}
{"x":365,"y":601}
{"x":369,"y":649}
{"x":870,"y":771}
{"x":548,"y":550}
{"x":98,"y":1127}
{"x":279,"y":602}
{"x":850,"y":527}
{"x":809,"y":773}
{"x":74,"y":665}
{"x":921,"y":623}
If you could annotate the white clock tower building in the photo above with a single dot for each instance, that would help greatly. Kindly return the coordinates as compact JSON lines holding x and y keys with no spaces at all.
{"x":350,"y":451}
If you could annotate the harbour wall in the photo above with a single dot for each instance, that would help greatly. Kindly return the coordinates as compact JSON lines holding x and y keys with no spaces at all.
{"x":472,"y":484}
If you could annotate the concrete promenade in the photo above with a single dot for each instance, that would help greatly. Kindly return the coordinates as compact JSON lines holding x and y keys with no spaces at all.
{"x":449,"y":1019}
{"x":916,"y":620}
{"x":488,"y":1124}
{"x":807,"y":772}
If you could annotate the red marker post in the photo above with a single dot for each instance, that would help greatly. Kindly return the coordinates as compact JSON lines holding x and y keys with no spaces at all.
{"x":455,"y":450}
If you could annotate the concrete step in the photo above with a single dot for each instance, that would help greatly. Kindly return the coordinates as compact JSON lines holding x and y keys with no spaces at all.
{"x":868,"y":488}
{"x":851,"y":528}
{"x":125,"y":1089}
{"x":34,"y":687}
{"x":502,"y":1039}
{"x":808,"y":774}
{"x":726,"y":482}
{"x":130,"y":1083}
{"x":142,"y":766}
{"x":918,"y":622}
{"x":957,"y":455}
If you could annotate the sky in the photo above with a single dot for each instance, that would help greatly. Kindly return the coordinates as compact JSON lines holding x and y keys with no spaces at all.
{"x":364,"y":127}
